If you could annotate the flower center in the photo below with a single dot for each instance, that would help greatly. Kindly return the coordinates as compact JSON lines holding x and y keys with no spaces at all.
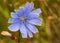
{"x":22,"y":18}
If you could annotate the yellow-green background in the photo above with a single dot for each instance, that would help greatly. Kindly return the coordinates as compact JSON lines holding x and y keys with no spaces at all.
{"x":49,"y":32}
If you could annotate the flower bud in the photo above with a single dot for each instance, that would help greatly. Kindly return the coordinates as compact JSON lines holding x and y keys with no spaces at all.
{"x":6,"y":33}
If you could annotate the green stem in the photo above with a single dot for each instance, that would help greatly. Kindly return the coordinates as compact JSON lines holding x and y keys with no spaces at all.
{"x":19,"y":37}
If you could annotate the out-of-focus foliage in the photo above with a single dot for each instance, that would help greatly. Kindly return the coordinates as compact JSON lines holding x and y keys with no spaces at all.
{"x":49,"y":32}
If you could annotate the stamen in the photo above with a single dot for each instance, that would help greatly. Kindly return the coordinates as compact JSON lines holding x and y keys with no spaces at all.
{"x":22,"y":18}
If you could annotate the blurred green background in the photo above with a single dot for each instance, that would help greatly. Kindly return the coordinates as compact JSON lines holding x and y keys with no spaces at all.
{"x":49,"y":32}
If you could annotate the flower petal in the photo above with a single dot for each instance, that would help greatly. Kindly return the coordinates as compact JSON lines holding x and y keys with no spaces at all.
{"x":13,"y":20}
{"x":23,"y":10}
{"x":29,"y":33}
{"x":14,"y":15}
{"x":31,"y":27}
{"x":34,"y":14}
{"x":14,"y":27}
{"x":23,"y":30}
{"x":35,"y":21}
{"x":29,"y":7}
{"x":20,"y":12}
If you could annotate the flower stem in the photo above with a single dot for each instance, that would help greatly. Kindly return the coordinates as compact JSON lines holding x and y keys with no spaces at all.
{"x":19,"y":37}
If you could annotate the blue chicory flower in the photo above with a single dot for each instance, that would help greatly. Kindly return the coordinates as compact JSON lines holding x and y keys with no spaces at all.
{"x":24,"y":20}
